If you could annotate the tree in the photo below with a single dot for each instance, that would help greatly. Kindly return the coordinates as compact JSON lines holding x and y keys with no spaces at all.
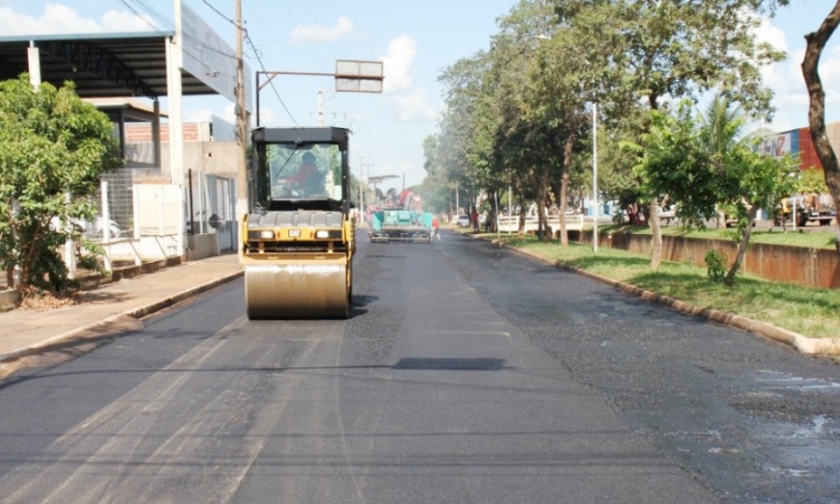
{"x":657,"y":49}
{"x":816,"y":109}
{"x":459,"y":153}
{"x":704,"y":162}
{"x":436,"y":187}
{"x":558,"y":85}
{"x":529,"y":141}
{"x":53,"y":148}
{"x":617,"y":180}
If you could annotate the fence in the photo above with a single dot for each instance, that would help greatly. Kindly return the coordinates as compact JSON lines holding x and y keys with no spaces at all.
{"x":510,"y":224}
{"x":780,"y":263}
{"x":143,"y":222}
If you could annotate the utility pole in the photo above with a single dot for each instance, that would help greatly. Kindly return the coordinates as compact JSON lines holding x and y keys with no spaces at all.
{"x":320,"y":108}
{"x":362,"y":184}
{"x":242,"y":188}
{"x":321,"y":112}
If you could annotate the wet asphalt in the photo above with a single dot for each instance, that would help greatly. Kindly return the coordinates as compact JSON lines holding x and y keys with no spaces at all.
{"x":751,"y":419}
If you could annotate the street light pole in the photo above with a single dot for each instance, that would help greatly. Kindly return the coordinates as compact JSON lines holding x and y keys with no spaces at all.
{"x":595,"y":177}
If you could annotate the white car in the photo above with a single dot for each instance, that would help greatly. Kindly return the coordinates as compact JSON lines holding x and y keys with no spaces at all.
{"x":91,"y":229}
{"x":667,"y":215}
{"x":98,"y":225}
{"x":464,"y":221}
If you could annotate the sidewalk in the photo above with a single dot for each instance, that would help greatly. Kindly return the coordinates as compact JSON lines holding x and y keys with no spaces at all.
{"x":113,"y":306}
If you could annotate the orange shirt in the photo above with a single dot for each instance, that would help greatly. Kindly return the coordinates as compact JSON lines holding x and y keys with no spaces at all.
{"x":304,"y":172}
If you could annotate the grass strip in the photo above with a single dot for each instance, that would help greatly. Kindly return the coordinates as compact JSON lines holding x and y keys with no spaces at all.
{"x":812,"y":312}
{"x":820,"y":237}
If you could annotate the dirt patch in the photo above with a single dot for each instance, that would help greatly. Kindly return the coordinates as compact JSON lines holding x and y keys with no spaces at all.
{"x":44,"y":301}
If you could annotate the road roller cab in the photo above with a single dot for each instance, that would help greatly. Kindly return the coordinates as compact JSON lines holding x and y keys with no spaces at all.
{"x":298,"y":239}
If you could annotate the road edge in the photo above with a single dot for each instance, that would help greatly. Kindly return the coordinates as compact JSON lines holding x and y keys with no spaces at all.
{"x":803,"y":344}
{"x":111,"y":321}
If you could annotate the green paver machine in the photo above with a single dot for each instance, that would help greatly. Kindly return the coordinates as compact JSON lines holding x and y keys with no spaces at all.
{"x":405,"y":223}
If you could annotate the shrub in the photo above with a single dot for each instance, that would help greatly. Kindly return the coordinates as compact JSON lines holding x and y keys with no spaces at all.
{"x":716,"y":264}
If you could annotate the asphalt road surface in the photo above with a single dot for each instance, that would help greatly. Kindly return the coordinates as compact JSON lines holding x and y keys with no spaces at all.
{"x":467,"y":374}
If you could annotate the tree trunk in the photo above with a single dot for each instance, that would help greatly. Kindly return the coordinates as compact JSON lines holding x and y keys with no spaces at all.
{"x":656,"y":235}
{"x":816,"y":110}
{"x":543,"y":232}
{"x":564,"y":188}
{"x":742,"y":247}
{"x":491,"y":214}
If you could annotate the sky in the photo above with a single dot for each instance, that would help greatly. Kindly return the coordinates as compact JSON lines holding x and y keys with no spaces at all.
{"x":415,"y":40}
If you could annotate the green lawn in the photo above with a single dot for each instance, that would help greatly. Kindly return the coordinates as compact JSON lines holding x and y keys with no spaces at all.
{"x":810,"y":237}
{"x":809,"y":311}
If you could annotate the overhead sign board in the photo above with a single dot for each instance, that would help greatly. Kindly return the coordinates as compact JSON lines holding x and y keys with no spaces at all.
{"x":208,"y":58}
{"x":359,"y":76}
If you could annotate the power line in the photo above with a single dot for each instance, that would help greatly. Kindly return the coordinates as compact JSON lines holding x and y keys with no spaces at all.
{"x":163,"y":20}
{"x":276,"y":93}
{"x":124,"y":2}
{"x":270,"y":32}
{"x":312,"y":13}
{"x":248,"y":39}
{"x":314,"y":55}
{"x":203,"y":45}
{"x":217,"y":11}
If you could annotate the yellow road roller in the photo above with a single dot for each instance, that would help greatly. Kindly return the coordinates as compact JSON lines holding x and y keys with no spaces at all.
{"x":298,"y":239}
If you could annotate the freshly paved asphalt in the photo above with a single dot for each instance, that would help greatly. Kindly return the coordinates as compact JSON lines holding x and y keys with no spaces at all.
{"x":108,"y":309}
{"x":466,"y":374}
{"x":426,"y":394}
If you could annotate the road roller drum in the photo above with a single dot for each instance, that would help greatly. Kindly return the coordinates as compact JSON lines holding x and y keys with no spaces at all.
{"x":296,"y":290}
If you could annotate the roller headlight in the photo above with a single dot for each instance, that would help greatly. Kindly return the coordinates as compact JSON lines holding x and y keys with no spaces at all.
{"x":261,"y":234}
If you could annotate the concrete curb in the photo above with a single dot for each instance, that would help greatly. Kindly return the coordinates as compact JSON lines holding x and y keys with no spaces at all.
{"x":177,"y":298}
{"x":803,"y":344}
{"x":113,"y":320}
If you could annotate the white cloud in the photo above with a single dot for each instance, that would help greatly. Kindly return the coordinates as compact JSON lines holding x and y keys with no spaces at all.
{"x":413,"y":174}
{"x":318,"y":33}
{"x":781,"y":122}
{"x":126,"y":21}
{"x":268,"y":118}
{"x":414,"y":107}
{"x":767,"y":32}
{"x":788,"y":85}
{"x":59,"y":18}
{"x":398,"y":63}
{"x":830,"y":66}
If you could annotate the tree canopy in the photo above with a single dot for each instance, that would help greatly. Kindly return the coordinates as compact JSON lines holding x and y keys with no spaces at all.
{"x":53,"y":149}
{"x":704,"y":163}
{"x":519,"y":112}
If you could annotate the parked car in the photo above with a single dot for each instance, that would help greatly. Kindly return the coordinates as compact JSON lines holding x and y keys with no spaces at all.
{"x":464,"y":221}
{"x":98,"y":225}
{"x":667,"y":215}
{"x":92,"y":230}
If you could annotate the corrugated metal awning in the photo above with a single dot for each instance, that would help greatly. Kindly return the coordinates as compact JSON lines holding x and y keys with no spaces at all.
{"x":101,"y":65}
